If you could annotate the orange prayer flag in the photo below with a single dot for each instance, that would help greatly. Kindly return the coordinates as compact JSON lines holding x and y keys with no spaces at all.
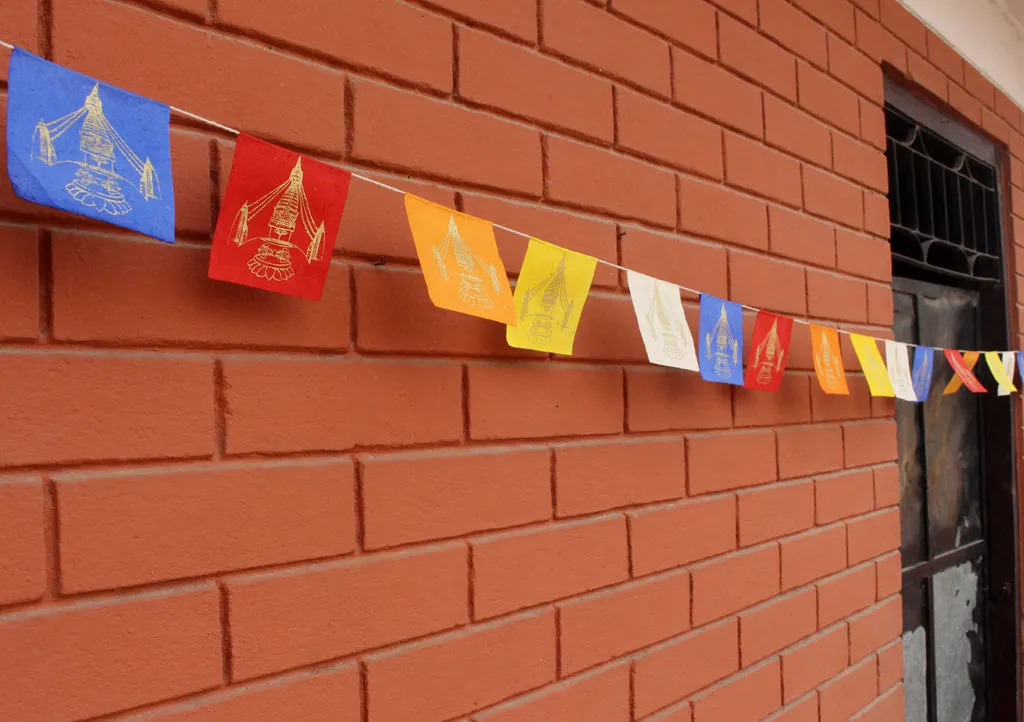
{"x":963,"y":367}
{"x":828,"y":360}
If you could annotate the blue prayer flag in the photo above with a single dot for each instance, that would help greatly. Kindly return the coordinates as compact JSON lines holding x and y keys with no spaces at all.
{"x":83,"y":146}
{"x":924,"y":362}
{"x":721,"y":340}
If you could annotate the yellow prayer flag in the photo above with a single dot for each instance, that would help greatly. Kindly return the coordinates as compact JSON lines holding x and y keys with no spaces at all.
{"x":460,"y":261}
{"x":970,"y":359}
{"x":873,"y":365}
{"x":995,"y":365}
{"x":549,"y":298}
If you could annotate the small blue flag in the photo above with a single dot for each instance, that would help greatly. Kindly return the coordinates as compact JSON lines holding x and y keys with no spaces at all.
{"x":924,"y":361}
{"x":721,"y":340}
{"x":86,"y":147}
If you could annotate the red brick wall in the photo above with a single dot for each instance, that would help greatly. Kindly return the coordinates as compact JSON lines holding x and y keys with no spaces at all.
{"x":221,"y":504}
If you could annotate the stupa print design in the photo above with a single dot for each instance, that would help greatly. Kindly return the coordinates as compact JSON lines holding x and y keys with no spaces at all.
{"x":477,"y":278}
{"x":924,"y":364}
{"x":828,"y":362}
{"x":80,"y":145}
{"x":662,"y":321}
{"x":721,"y":340}
{"x":278,"y":221}
{"x":769,"y":351}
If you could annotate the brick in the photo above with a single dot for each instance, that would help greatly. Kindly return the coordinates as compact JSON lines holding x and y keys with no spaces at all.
{"x":497,"y":73}
{"x":1007,"y":109}
{"x":447,"y":140}
{"x":846,"y":593}
{"x":598,"y":39}
{"x":872,"y":124}
{"x":523,"y":568}
{"x":730,"y":461}
{"x":857,"y":405}
{"x":813,"y":555}
{"x":95,"y":658}
{"x":806,"y":710}
{"x":802,"y":238}
{"x":873,"y":535}
{"x":868,"y":6}
{"x":767,"y":283}
{"x":717,"y":212}
{"x":310,"y":614}
{"x":596,"y":476}
{"x":20,"y":24}
{"x":888,"y":707}
{"x":833,"y":198}
{"x":794,"y":31}
{"x":839,"y":496}
{"x":745,"y":10}
{"x":755,"y":168}
{"x":466,"y":670}
{"x":796,"y":132}
{"x":183,"y":522}
{"x":664,"y":537}
{"x":22,"y":547}
{"x":678,"y":668}
{"x":847,"y":693}
{"x":603,"y":694}
{"x":543,"y":400}
{"x":869,"y":443}
{"x":662,"y":399}
{"x":656,"y":130}
{"x":979,"y":86}
{"x":879,"y":44}
{"x":965,"y":104}
{"x":813,"y":662}
{"x":595,"y":178}
{"x":734,"y":582}
{"x":809,"y":450}
{"x":827,"y":99}
{"x":888,"y":575}
{"x":609,"y":330}
{"x":876,"y":214}
{"x":515,"y":17}
{"x":890,"y":665}
{"x":162,"y":407}
{"x":944,"y":57}
{"x":776,"y":624}
{"x":613,"y":622}
{"x":863,"y":255}
{"x":676,"y":713}
{"x":715,"y":92}
{"x":141,"y":292}
{"x":19,"y":289}
{"x":789,"y":405}
{"x":887,"y":486}
{"x":861,"y":163}
{"x":904,"y":25}
{"x":755,"y":57}
{"x":749,"y":697}
{"x":344,"y":404}
{"x":773,"y":511}
{"x":233,"y":70}
{"x":689,"y":22}
{"x":834,"y":14}
{"x":995,"y":126}
{"x":320,"y":696}
{"x":676,"y":259}
{"x":926,"y":75}
{"x":830,"y":296}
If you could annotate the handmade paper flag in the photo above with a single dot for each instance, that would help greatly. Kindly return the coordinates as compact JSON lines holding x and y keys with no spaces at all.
{"x":897,"y":360}
{"x":83,"y":146}
{"x":924,"y":364}
{"x":550,"y":293}
{"x":769,"y":351}
{"x":460,"y":261}
{"x":873,"y":366}
{"x":999,"y":372}
{"x":663,"y":326}
{"x":962,"y":366}
{"x":721,"y":340}
{"x":828,"y":360}
{"x":278,"y":220}
{"x":1020,"y":364}
{"x":1009,"y":366}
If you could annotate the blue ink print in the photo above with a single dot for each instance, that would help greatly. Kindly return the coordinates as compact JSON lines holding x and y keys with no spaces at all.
{"x":86,"y":147}
{"x":924,"y":357}
{"x":721,"y":340}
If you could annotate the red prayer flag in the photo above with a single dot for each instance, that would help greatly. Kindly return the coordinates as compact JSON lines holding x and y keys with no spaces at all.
{"x":769,"y":351}
{"x":962,"y":366}
{"x":278,"y":221}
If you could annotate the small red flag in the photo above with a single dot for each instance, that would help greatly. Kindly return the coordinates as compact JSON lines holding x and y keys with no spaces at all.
{"x":278,"y":221}
{"x":769,"y":351}
{"x":963,"y":366}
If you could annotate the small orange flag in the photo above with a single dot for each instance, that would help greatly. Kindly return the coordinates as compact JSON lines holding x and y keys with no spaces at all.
{"x":828,"y":360}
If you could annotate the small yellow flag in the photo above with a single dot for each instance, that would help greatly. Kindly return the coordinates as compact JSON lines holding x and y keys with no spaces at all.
{"x":460,"y":261}
{"x":549,"y":298}
{"x":873,"y":365}
{"x":995,"y":365}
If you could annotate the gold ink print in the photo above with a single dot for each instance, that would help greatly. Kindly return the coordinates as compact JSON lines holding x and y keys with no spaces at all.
{"x":472,"y":287}
{"x":825,"y":363}
{"x":769,"y":355}
{"x":725,"y":346}
{"x":555,"y":308}
{"x":663,"y":327}
{"x":96,"y":182}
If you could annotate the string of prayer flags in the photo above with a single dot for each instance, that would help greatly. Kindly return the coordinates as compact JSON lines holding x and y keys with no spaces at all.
{"x":553,"y":285}
{"x":897,"y":360}
{"x":924,"y":366}
{"x":828,"y":360}
{"x":663,"y":327}
{"x":460,"y":261}
{"x":80,"y":145}
{"x":769,"y":351}
{"x":963,"y":367}
{"x":873,"y":366}
{"x":721,"y":340}
{"x":278,"y":220}
{"x":1003,"y":379}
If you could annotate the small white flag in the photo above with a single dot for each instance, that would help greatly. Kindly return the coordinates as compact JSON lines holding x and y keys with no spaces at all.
{"x":659,"y":312}
{"x":897,"y":359}
{"x":1010,"y":364}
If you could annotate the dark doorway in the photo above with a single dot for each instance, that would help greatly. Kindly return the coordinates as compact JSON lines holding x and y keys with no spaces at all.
{"x":956,"y":453}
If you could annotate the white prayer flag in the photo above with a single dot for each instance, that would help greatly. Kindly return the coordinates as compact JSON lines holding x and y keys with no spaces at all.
{"x":659,"y":312}
{"x":1010,"y":364}
{"x":897,"y":359}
